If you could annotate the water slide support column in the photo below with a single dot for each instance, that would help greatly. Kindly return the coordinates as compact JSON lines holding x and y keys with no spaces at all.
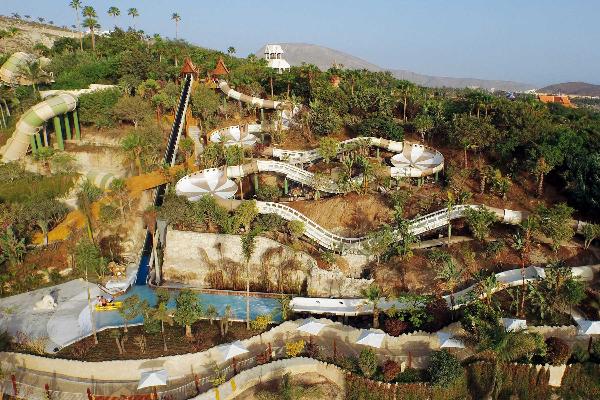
{"x":33,"y":147}
{"x":58,"y":132}
{"x":255,"y":182}
{"x":38,"y":140}
{"x":68,"y":126}
{"x":76,"y":125}
{"x":45,"y":133}
{"x":285,"y":185}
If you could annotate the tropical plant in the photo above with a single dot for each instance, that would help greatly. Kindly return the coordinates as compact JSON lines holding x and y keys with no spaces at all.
{"x":133,"y":13}
{"x":175,"y":17}
{"x":479,"y":221}
{"x":114,"y":12}
{"x":188,"y":310}
{"x":444,"y":368}
{"x":373,"y":295}
{"x":130,"y":309}
{"x":76,"y":5}
{"x":367,"y":362}
{"x":91,"y":22}
{"x":288,"y":390}
{"x":590,"y":233}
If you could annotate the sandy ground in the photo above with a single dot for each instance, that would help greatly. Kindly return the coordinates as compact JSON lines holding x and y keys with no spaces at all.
{"x":319,"y":388}
{"x":349,"y":215}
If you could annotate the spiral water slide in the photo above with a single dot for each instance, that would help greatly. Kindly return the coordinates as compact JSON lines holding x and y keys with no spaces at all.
{"x":32,"y":121}
{"x":10,"y":72}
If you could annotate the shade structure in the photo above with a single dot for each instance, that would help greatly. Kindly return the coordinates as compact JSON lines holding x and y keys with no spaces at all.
{"x":153,"y":378}
{"x":417,"y":160}
{"x":512,"y":325}
{"x":447,"y":341}
{"x":311,"y":326}
{"x":587,"y":327}
{"x":234,"y":349}
{"x":212,"y":181}
{"x":234,"y":136}
{"x":373,"y":338}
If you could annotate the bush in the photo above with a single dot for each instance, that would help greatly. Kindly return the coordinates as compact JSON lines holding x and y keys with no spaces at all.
{"x":444,"y":368}
{"x":395,"y":327}
{"x":381,"y":127}
{"x":557,"y":351}
{"x":261,"y":322}
{"x":367,"y":362}
{"x":391,"y":369}
{"x":268,"y":193}
{"x":347,"y":363}
{"x":294,"y":349}
{"x":96,"y":108}
{"x":410,"y":375}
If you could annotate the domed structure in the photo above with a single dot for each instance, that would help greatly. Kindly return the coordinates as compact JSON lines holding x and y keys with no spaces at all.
{"x":211,"y":181}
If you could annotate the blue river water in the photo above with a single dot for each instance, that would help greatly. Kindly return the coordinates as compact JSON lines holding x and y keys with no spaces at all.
{"x":258,"y":305}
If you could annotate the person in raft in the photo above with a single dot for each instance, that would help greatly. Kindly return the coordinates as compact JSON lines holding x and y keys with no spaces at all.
{"x":104,"y":301}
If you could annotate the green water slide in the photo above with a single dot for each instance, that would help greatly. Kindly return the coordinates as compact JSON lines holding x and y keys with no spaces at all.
{"x":10,"y":72}
{"x":32,"y":122}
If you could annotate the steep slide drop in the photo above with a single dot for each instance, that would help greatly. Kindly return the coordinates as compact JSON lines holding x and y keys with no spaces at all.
{"x":32,"y":121}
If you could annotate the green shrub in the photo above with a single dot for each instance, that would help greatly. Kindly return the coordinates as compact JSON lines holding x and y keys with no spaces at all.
{"x":444,"y":368}
{"x":367,"y":362}
{"x":268,"y":193}
{"x":96,"y":108}
{"x":384,"y":127}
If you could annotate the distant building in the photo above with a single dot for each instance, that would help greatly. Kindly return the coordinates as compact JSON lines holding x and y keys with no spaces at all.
{"x":560,"y":99}
{"x":274,"y":57}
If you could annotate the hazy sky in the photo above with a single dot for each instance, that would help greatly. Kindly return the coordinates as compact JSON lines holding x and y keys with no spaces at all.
{"x":533,"y":41}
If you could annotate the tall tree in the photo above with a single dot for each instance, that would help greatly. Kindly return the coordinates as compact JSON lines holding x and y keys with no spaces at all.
{"x":176,"y":17}
{"x":91,"y":22}
{"x":133,"y":13}
{"x":114,"y":12}
{"x":248,"y":247}
{"x":231,"y":50}
{"x":188,"y":310}
{"x":76,"y":5}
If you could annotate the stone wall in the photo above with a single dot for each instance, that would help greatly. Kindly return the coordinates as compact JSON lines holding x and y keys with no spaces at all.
{"x":210,"y":260}
{"x":276,"y":369}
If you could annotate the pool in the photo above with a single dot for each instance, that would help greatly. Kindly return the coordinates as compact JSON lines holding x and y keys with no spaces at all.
{"x":258,"y":306}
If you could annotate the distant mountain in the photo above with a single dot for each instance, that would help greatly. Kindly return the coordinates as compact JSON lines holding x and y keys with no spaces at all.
{"x":573,"y":88}
{"x":324,"y":58}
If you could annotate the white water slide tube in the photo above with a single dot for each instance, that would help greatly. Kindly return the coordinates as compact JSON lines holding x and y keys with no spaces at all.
{"x":258,"y":102}
{"x":32,"y":121}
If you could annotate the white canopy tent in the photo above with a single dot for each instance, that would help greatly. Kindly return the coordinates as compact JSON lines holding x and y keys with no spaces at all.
{"x":587,"y":327}
{"x":373,"y":338}
{"x":231,"y":350}
{"x":311,"y":326}
{"x":512,"y":325}
{"x":447,"y":341}
{"x":153,"y":379}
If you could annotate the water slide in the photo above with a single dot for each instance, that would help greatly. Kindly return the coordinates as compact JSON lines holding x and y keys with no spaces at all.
{"x":32,"y":121}
{"x":256,"y":101}
{"x":10,"y":72}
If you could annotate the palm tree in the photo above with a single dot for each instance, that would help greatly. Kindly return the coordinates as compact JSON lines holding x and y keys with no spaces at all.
{"x":505,"y":347}
{"x":248,"y":247}
{"x":76,"y":5}
{"x":175,"y":17}
{"x":27,"y":16}
{"x":41,"y":19}
{"x":231,"y":50}
{"x":373,"y":294}
{"x":91,"y":23}
{"x":114,"y":12}
{"x":31,"y":72}
{"x":133,"y":146}
{"x":449,"y":275}
{"x":133,"y":12}
{"x":16,"y":16}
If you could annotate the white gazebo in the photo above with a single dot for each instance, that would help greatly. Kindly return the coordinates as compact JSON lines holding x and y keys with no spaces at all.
{"x":274,"y":57}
